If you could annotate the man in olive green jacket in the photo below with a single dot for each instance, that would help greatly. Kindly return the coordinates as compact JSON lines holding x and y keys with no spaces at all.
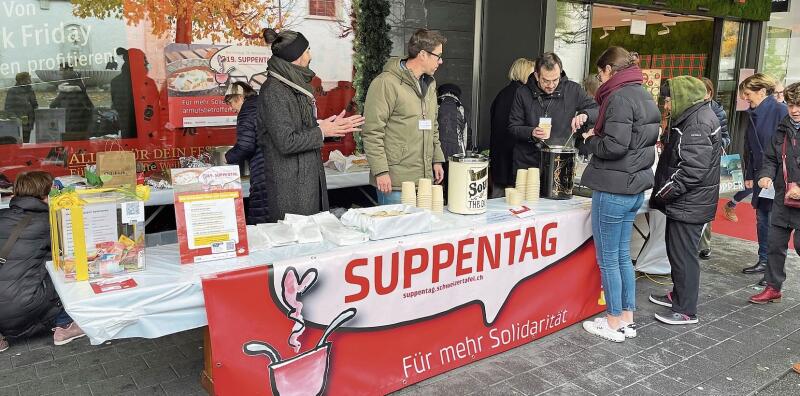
{"x":401,"y":135}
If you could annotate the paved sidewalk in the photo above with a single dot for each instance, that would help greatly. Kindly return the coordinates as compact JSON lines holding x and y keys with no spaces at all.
{"x":736,"y":349}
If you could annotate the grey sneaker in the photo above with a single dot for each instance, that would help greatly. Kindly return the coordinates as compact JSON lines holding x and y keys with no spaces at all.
{"x":629,"y":329}
{"x":674,"y":318}
{"x":664,"y":301}
{"x":3,"y":344}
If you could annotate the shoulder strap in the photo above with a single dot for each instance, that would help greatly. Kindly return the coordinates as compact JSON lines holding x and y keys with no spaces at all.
{"x":291,"y":84}
{"x":300,"y":89}
{"x":783,"y":158}
{"x":12,"y":239}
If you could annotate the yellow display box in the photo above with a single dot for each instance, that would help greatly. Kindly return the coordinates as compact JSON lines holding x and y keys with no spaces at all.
{"x":98,"y":233}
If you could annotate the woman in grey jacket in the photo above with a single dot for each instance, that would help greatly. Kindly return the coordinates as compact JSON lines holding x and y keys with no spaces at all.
{"x":626,"y":129}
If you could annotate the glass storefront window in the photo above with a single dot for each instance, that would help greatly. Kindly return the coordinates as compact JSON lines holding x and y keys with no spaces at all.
{"x":572,"y":37}
{"x":73,"y":86}
{"x":726,"y":79}
{"x":783,"y":44}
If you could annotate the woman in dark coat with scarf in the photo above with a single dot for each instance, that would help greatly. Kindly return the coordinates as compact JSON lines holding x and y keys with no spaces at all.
{"x":764,"y":115}
{"x":290,"y":136}
{"x":622,"y":148}
{"x":244,"y":101}
{"x":784,"y":219}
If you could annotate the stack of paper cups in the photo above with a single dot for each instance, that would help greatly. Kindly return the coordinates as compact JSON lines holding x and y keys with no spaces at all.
{"x":425,"y":194}
{"x":522,"y":181}
{"x":408,"y":194}
{"x":514,"y":198}
{"x":532,"y":193}
{"x":509,"y":190}
{"x":438,"y":199}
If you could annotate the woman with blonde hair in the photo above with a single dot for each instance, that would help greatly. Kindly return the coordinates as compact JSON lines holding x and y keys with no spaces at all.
{"x":501,"y":143}
{"x":764,"y":116}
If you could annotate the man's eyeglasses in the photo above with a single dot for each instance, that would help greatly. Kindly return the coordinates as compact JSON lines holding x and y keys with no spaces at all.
{"x":439,"y":56}
{"x":549,"y":82}
{"x":597,"y":77}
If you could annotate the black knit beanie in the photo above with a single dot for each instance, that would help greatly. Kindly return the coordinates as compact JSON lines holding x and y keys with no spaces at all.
{"x":287,"y":45}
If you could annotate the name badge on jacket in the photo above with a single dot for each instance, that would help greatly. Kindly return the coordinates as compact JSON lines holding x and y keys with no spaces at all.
{"x":425,"y":125}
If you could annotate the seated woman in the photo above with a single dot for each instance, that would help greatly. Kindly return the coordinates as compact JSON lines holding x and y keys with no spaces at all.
{"x":28,"y":301}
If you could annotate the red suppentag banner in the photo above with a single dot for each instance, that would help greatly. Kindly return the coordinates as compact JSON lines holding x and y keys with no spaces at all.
{"x":382,"y":316}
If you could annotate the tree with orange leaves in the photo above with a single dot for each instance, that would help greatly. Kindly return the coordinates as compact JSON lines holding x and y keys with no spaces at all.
{"x":229,"y":20}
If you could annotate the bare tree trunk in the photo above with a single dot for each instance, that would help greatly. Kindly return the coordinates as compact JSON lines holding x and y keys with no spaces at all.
{"x":183,"y":25}
{"x":280,"y":14}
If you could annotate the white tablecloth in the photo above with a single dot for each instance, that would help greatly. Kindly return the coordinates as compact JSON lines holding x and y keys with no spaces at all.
{"x":334,"y":178}
{"x":169,"y":297}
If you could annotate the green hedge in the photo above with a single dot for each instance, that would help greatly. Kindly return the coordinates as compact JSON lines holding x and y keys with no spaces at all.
{"x":371,"y":48}
{"x":371,"y":45}
{"x":758,"y":10}
{"x":696,"y":37}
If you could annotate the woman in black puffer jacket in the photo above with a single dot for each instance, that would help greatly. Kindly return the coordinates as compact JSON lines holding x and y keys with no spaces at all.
{"x":622,"y":148}
{"x":28,"y":301}
{"x":687,"y":191}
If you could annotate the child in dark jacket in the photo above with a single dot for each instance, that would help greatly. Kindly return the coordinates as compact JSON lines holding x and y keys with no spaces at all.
{"x":29,"y":303}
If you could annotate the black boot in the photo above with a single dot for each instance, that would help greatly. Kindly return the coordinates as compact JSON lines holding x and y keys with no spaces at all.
{"x":759,"y":268}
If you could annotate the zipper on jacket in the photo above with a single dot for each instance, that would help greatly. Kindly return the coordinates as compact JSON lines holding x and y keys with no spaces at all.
{"x":423,"y":109}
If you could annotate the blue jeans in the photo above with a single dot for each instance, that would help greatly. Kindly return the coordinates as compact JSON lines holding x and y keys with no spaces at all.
{"x":762,"y":230}
{"x":612,"y":225}
{"x":391,"y":198}
{"x":62,"y":319}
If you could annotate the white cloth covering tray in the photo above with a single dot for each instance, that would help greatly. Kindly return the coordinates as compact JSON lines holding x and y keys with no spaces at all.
{"x":411,"y":221}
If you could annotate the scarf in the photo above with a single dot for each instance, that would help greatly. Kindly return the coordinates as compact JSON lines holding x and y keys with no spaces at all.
{"x":631,"y":75}
{"x":795,"y":125}
{"x":301,"y":76}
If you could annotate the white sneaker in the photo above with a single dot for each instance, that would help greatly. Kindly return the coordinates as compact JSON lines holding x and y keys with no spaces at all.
{"x":600,"y":328}
{"x":629,"y":329}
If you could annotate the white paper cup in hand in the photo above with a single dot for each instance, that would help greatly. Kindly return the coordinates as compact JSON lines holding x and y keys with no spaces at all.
{"x":546,"y":125}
